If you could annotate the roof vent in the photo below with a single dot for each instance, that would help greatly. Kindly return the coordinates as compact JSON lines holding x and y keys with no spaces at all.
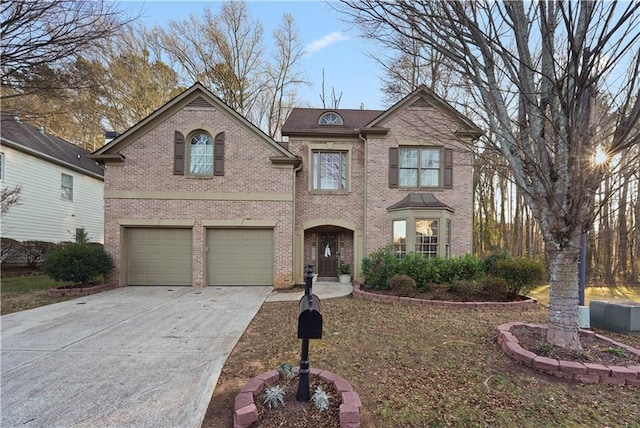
{"x":199,"y":102}
{"x":421,"y":102}
{"x":42,"y":129}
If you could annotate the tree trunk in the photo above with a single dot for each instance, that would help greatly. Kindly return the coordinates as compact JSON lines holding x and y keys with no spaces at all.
{"x":563,"y":307}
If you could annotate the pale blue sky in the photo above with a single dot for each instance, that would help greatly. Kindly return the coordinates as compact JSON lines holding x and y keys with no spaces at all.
{"x":330,"y":43}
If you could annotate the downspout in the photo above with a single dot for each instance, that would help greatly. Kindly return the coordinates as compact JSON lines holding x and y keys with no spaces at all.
{"x":293,"y":224}
{"x":356,"y":268}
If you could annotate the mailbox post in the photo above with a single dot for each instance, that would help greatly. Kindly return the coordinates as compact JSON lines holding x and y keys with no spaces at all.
{"x":309,"y":327}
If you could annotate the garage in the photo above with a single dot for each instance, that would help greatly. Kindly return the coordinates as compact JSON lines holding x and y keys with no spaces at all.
{"x":240,"y":256}
{"x":158,"y":256}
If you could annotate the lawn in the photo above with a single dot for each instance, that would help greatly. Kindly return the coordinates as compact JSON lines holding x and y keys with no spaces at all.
{"x":18,"y":293}
{"x":424,"y":366}
{"x":412,"y":366}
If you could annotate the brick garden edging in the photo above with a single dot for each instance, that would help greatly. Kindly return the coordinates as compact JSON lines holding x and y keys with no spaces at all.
{"x":358,"y":292}
{"x":54,"y":292}
{"x":580,"y":372}
{"x":246,"y":412}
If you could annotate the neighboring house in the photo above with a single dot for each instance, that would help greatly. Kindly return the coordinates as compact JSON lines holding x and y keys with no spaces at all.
{"x":196,"y":195}
{"x":62,"y":188}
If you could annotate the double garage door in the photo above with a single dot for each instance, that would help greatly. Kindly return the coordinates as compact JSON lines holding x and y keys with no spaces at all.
{"x":234,"y":256}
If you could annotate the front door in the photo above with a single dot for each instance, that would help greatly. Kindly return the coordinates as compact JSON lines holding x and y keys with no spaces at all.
{"x":327,"y":254}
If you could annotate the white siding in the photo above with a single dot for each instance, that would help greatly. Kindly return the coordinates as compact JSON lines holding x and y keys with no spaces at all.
{"x":44,"y":215}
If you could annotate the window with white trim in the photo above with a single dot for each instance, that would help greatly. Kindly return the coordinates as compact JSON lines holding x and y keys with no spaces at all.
{"x":330,"y":118}
{"x":427,"y":238}
{"x":66,"y":187}
{"x":1,"y":166}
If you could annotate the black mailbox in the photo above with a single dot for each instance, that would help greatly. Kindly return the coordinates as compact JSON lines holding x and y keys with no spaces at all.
{"x":310,"y":318}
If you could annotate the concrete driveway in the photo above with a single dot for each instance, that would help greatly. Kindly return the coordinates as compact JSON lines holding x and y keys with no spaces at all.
{"x":128,"y":357}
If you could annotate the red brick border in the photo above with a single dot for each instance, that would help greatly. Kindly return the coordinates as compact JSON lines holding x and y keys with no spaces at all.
{"x":246,"y":413}
{"x":54,"y":292}
{"x":581,"y":372}
{"x":358,"y":292}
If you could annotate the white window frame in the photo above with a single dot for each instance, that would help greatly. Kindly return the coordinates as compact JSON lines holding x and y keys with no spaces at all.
{"x":330,"y":118}
{"x":66,"y":190}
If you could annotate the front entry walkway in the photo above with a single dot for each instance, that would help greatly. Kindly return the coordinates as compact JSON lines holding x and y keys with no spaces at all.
{"x":128,"y":357}
{"x":322,"y":289}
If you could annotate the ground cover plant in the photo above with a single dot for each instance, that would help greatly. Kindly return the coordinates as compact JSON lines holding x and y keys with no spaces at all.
{"x":424,"y":366}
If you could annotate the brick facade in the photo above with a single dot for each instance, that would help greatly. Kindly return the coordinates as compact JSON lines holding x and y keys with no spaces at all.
{"x":266,"y":186}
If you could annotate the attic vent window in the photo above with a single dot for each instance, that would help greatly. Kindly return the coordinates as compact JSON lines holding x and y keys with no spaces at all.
{"x":199,"y":102}
{"x":421,"y":102}
{"x":330,"y":118}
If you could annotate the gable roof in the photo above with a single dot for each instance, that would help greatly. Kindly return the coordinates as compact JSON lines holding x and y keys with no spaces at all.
{"x":29,"y":139}
{"x":303,"y":121}
{"x":424,"y":97}
{"x":198,"y":96}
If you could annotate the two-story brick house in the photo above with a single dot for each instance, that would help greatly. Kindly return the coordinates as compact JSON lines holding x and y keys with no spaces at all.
{"x":371,"y":177}
{"x":196,"y":195}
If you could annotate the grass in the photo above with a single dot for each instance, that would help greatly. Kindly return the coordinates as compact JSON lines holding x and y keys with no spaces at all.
{"x":423,"y":366}
{"x":18,"y":293}
{"x":412,"y":366}
{"x":610,"y":294}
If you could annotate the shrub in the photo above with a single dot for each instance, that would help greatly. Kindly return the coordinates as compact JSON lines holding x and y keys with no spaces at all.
{"x":404,"y":285}
{"x":379,"y":267}
{"x":35,"y":252}
{"x":521,"y":275}
{"x":77,"y":263}
{"x":467,"y":268}
{"x":467,"y":289}
{"x":423,"y":271}
{"x":9,"y":249}
{"x":495,"y":287}
{"x":492,"y":259}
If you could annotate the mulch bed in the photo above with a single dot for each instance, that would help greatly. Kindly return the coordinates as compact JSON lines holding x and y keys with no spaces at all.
{"x":442,"y":292}
{"x":594,"y":349}
{"x":301,"y":415}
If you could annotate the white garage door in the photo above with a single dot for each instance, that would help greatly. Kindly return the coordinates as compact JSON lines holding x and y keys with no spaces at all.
{"x":158,"y":256}
{"x":240,"y":256}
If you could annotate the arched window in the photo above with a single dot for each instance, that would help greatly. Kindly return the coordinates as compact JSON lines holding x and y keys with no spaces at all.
{"x":330,"y":118}
{"x":201,"y":154}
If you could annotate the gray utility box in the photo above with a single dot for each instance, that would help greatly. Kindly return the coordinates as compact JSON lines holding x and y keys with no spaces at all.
{"x":621,"y":317}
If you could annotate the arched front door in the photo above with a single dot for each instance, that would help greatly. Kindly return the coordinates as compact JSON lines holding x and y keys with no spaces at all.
{"x":327,"y":253}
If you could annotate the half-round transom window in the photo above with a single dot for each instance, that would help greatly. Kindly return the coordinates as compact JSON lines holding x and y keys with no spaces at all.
{"x":201,"y":154}
{"x":330,"y":118}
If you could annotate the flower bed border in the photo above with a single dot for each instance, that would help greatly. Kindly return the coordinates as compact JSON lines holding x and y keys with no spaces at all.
{"x":84,"y":291}
{"x":580,"y":372}
{"x":358,"y":292}
{"x":246,"y":413}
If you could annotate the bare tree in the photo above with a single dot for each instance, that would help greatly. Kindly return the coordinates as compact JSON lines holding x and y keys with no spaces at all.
{"x":283,"y":75}
{"x":39,"y":34}
{"x":10,"y":197}
{"x":224,"y":52}
{"x":536,"y":69}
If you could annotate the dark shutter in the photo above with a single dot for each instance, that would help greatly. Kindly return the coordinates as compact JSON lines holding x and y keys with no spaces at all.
{"x":393,"y":167}
{"x":448,"y":169}
{"x":218,"y":154}
{"x":178,"y":154}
